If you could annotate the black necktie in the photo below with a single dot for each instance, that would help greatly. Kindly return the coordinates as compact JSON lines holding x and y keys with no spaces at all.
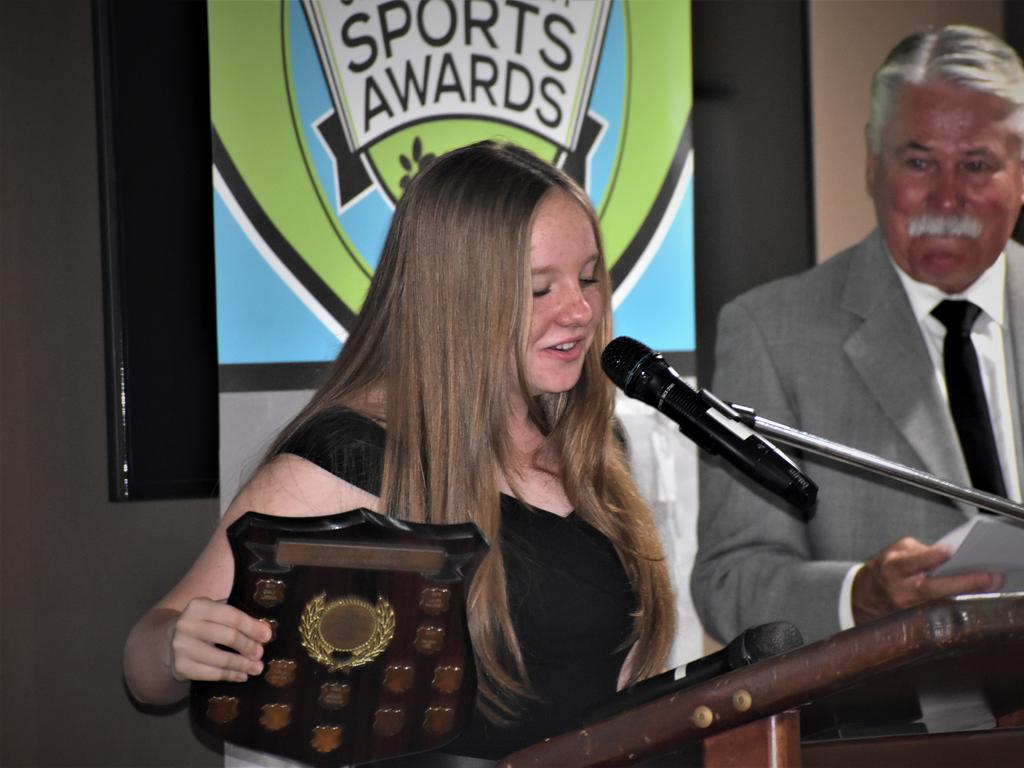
{"x":967,"y":396}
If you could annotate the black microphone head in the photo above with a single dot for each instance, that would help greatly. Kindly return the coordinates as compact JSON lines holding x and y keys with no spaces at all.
{"x":621,"y":359}
{"x":762,"y":642}
{"x":636,"y":369}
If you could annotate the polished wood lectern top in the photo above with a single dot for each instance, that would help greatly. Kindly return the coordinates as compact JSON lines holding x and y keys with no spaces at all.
{"x":959,"y":659}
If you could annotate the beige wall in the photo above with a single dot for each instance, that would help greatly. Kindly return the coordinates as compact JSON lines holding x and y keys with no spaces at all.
{"x":75,"y":570}
{"x":848,"y":40}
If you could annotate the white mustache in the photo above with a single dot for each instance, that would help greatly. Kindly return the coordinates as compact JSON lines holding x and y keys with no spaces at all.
{"x":952,"y":225}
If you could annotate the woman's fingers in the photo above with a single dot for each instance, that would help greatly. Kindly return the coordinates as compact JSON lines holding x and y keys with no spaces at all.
{"x":215,"y":641}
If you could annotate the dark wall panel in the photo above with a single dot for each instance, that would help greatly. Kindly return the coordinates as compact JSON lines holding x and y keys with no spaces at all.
{"x":154,"y":149}
{"x":752,"y":168}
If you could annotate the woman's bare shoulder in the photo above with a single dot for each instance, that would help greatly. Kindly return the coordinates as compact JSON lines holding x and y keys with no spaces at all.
{"x":290,"y":486}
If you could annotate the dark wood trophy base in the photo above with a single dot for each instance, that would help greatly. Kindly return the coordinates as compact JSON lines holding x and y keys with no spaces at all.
{"x":370,"y":656}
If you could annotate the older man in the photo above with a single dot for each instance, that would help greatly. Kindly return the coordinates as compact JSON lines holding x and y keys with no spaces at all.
{"x":852,"y":351}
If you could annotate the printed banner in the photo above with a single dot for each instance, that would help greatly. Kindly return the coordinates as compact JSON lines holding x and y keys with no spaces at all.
{"x":324,"y":110}
{"x":398,"y":67}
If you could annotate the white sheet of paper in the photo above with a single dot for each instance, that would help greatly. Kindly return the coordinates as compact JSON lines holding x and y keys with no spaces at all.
{"x":986,"y":543}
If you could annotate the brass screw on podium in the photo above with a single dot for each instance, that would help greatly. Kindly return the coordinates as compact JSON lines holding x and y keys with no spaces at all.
{"x":702,"y":717}
{"x":742,"y":700}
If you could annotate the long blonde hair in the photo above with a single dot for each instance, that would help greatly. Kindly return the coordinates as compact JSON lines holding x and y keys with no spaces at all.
{"x":451,"y":294}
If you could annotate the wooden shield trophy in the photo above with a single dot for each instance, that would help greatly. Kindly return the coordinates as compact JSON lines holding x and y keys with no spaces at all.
{"x":370,"y":656}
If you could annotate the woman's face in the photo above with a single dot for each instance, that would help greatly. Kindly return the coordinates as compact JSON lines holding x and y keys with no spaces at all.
{"x":567,"y":299}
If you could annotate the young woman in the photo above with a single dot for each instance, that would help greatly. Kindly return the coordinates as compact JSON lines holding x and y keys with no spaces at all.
{"x":470,"y":389}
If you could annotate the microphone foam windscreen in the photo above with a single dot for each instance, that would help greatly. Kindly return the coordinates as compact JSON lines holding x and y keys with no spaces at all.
{"x":621,"y":358}
{"x":765,"y":641}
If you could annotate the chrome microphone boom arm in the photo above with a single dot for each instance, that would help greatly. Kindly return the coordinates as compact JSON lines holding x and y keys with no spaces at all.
{"x":869,"y":461}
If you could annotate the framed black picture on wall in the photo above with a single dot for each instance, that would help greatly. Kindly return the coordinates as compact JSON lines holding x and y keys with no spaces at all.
{"x":153,"y":131}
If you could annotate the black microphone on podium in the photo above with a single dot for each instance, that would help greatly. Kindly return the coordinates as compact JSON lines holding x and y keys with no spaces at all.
{"x":750,"y":646}
{"x":643,"y":374}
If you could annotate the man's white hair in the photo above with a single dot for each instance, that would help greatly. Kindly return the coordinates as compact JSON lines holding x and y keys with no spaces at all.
{"x":964,"y":56}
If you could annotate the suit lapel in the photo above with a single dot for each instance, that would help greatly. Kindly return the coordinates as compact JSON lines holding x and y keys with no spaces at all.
{"x":1015,"y":325}
{"x":890,"y":356}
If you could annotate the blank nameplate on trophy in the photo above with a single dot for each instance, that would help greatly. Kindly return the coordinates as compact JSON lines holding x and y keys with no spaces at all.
{"x":429,"y":560}
{"x":370,"y":655}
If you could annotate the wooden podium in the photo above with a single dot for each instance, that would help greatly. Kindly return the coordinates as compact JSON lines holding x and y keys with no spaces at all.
{"x":960,"y":660}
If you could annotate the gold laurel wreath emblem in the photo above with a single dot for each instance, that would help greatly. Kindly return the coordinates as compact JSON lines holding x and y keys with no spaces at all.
{"x":321,"y":651}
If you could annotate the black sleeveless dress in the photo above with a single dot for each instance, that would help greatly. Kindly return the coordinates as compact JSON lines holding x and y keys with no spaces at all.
{"x":569,"y":598}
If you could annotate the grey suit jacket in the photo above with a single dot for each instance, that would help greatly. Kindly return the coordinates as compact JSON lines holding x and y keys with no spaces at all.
{"x":834,"y":351}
